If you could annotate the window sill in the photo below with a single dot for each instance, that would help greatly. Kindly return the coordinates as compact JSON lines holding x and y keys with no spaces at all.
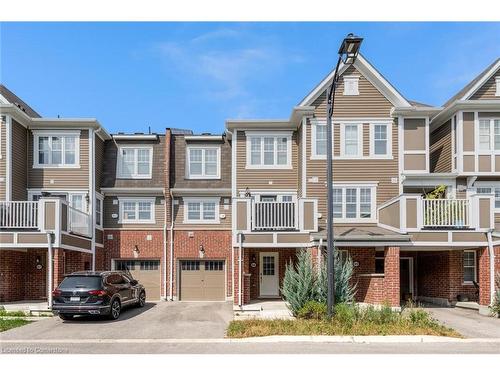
{"x":137,"y":222}
{"x":55,"y":166}
{"x":263,"y":167}
{"x":134,"y":177}
{"x":201,"y":222}
{"x":203,"y":178}
{"x":468,"y":283}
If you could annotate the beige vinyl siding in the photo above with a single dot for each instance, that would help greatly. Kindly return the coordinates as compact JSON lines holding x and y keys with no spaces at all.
{"x":63,"y":178}
{"x":261,"y":178}
{"x":381,"y":170}
{"x":224,"y":223}
{"x":99,"y":160}
{"x":3,"y":155}
{"x":19,"y":166}
{"x":110,"y":209}
{"x":369,"y":103}
{"x":488,"y":90}
{"x":440,"y":148}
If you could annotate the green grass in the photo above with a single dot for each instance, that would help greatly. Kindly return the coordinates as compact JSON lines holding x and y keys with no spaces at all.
{"x":348,"y":321}
{"x":12,"y":313}
{"x":6,"y":324}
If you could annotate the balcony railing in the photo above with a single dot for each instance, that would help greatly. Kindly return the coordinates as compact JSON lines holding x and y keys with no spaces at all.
{"x":446,"y":213}
{"x":274,"y":216}
{"x":78,"y":222}
{"x":18,"y":215}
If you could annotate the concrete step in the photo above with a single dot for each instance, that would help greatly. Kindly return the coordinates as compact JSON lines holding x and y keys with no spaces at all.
{"x":468,"y":305}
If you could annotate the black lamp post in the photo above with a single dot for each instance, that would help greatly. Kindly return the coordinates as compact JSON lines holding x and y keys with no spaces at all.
{"x":348,"y":53}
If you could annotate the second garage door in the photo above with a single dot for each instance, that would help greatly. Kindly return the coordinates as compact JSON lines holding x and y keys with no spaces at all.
{"x":147,"y":272}
{"x":202,"y":280}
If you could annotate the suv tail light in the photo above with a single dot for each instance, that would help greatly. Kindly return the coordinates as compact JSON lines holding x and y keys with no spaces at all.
{"x":97,"y":292}
{"x":56,"y":293}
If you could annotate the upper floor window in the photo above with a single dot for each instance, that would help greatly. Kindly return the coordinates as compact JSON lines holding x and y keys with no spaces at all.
{"x":136,"y":210}
{"x":318,"y":140}
{"x":489,"y":134}
{"x":98,"y":212}
{"x":135,"y":162}
{"x":351,"y":85}
{"x":380,"y":140}
{"x":56,"y":150}
{"x":201,"y":210}
{"x":203,"y":162}
{"x":489,"y":190}
{"x":351,"y":136}
{"x":354,"y":203}
{"x":269,"y":151}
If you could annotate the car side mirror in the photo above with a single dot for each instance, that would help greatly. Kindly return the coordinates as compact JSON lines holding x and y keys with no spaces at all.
{"x":134,"y":282}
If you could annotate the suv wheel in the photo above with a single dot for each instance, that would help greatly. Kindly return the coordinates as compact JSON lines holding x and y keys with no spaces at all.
{"x":66,"y":316}
{"x":142,"y":299}
{"x":115,"y":309}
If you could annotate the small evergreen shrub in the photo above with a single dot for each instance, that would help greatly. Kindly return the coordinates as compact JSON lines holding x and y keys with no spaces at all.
{"x":344,"y":289}
{"x":495,"y":306}
{"x":313,"y":310}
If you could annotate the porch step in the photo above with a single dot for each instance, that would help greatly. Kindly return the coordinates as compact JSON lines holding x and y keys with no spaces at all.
{"x":468,"y":305}
{"x":263,"y":310}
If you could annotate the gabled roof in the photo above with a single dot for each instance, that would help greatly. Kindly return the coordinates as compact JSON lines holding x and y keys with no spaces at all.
{"x":475,"y":84}
{"x":370,"y":73}
{"x":12,"y":98}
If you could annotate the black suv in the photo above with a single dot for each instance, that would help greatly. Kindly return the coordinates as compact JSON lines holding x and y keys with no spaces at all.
{"x":96,"y":293}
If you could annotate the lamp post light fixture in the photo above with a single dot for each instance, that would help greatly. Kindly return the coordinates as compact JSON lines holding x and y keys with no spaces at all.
{"x":348,"y":52}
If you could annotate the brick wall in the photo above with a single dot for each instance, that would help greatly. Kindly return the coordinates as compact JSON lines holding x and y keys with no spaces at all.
{"x":217,"y":245}
{"x":124,"y":242}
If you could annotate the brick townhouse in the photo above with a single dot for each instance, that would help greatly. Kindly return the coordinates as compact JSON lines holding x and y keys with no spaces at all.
{"x":218,"y":217}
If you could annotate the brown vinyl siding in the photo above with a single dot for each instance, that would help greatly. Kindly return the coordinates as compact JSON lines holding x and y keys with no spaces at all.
{"x":19,"y":165}
{"x":223,"y":224}
{"x":178,"y":164}
{"x":488,"y":90}
{"x":261,"y":178}
{"x":110,"y":209}
{"x":440,"y":148}
{"x":3,"y":156}
{"x":99,"y":161}
{"x":109,"y":175}
{"x":63,"y":177}
{"x":369,"y":103}
{"x":468,"y":131}
{"x":381,"y":170}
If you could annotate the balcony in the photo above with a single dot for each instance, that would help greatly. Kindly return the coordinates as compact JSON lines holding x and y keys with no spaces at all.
{"x":274,"y":216}
{"x":411,"y":212}
{"x":25,"y":224}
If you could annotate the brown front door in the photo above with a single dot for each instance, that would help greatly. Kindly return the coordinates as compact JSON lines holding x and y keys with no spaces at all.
{"x":202,"y":280}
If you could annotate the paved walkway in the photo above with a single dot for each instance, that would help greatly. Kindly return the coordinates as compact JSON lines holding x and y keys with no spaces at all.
{"x":162,"y":320}
{"x":467,"y":322}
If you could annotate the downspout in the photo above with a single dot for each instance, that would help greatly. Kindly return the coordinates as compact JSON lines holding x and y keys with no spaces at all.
{"x":171,"y":246}
{"x":491,"y":252}
{"x":91,"y":209}
{"x":165,"y":203}
{"x":240,"y":269}
{"x":320,"y":246}
{"x":50,"y":272}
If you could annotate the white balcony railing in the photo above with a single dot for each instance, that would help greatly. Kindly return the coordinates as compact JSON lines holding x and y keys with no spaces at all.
{"x":274,"y":216}
{"x":18,"y":214}
{"x":446,"y":213}
{"x":78,"y":222}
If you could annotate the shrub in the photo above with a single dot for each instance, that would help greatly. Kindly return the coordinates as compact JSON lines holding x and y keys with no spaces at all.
{"x":344,"y":289}
{"x":312,"y":310}
{"x":346,"y":314}
{"x":299,"y":282}
{"x":418,"y":316}
{"x":495,"y":306}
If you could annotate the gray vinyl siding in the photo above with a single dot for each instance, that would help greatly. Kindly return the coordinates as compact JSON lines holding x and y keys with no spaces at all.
{"x":19,"y":162}
{"x":99,"y":161}
{"x":488,"y":90}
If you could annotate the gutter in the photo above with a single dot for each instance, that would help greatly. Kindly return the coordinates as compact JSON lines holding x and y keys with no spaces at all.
{"x":491,"y":252}
{"x":171,"y":280}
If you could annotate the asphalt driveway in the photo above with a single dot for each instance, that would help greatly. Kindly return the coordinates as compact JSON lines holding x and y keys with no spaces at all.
{"x":162,"y":320}
{"x":467,"y":322}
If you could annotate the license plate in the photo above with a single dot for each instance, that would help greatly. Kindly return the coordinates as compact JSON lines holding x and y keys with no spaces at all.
{"x":74,"y":299}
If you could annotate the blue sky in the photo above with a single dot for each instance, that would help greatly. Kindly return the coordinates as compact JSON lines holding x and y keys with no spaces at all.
{"x":196,"y":75}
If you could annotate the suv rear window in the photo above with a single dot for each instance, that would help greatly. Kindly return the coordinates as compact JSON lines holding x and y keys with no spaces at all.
{"x":81,"y":282}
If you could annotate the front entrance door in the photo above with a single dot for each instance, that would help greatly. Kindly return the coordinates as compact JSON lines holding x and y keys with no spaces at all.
{"x":406,"y":279}
{"x":269,"y":275}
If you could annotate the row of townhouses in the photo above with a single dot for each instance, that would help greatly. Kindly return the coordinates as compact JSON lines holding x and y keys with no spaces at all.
{"x":218,"y":217}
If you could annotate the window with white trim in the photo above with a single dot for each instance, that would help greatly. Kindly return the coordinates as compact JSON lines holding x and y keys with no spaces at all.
{"x":351,"y":85}
{"x":203,"y":162}
{"x":59,"y":150}
{"x":354,"y":203}
{"x":351,"y":140}
{"x":469,"y":266}
{"x":489,"y":134}
{"x":137,"y":210}
{"x":318,"y":139}
{"x":269,"y":151}
{"x":98,"y":212}
{"x":135,"y":162}
{"x":380,"y":140}
{"x":201,"y":210}
{"x":489,"y":190}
